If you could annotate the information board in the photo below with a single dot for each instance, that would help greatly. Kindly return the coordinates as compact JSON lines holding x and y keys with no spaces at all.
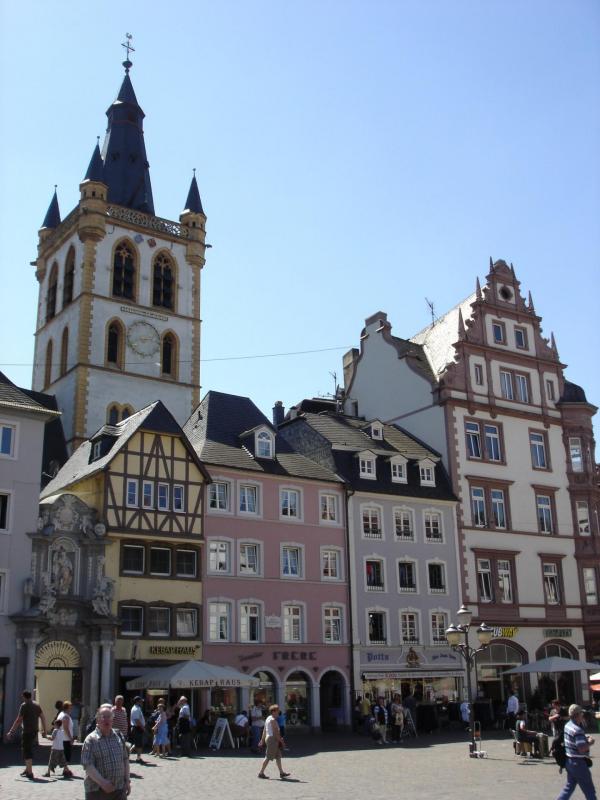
{"x":216,"y":740}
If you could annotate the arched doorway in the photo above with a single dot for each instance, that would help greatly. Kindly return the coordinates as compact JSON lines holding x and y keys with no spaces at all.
{"x":568,"y":684}
{"x":57,"y":674}
{"x":491,"y":665}
{"x":298,"y":702}
{"x":332,"y":694}
{"x":266,"y":692}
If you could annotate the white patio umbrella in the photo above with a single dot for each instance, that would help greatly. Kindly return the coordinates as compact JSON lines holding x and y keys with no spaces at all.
{"x":192,"y":675}
{"x":595,"y":677}
{"x":553,"y":665}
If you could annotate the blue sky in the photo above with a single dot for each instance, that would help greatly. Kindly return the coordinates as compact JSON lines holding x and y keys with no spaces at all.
{"x":351,"y":157}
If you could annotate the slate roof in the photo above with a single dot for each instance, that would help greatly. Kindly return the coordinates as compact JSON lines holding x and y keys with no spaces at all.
{"x":349,"y":436}
{"x":193,"y":202}
{"x":572,"y":393}
{"x":218,"y":430}
{"x":54,"y":453}
{"x":12,"y":397}
{"x":439,"y":338}
{"x":52,"y":218}
{"x":95,"y":170}
{"x":155,"y":417}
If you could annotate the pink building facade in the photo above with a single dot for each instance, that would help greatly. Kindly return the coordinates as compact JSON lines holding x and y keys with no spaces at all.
{"x":275,"y":568}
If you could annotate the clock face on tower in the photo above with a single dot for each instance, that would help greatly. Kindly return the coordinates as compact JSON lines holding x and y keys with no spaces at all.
{"x":143,"y":338}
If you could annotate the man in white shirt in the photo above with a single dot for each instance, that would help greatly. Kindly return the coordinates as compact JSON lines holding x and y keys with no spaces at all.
{"x":184,"y":726}
{"x":138,"y":728}
{"x":257,"y":723}
{"x":512,"y":708}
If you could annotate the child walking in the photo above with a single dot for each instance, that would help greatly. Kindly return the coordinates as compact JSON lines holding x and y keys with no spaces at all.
{"x":57,"y":752}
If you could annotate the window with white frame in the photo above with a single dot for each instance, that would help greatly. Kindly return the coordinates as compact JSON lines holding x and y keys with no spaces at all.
{"x":134,"y":559}
{"x":132,"y":620}
{"x":473,"y":435}
{"x":249,"y":622}
{"x":248,"y":499}
{"x":493,"y":447}
{"x":498,"y":502}
{"x":292,"y":623}
{"x":377,"y":622}
{"x":219,"y":556}
{"x":367,"y":466}
{"x":328,"y":507}
{"x":249,"y":563}
{"x":7,"y":440}
{"x":506,"y":385}
{"x":433,"y":526}
{"x":499,"y":332}
{"x":186,"y":621}
{"x":290,"y":503}
{"x":404,"y":524}
{"x":160,"y":561}
{"x":371,"y":523}
{"x":436,"y":572}
{"x":147,"y":494}
{"x":132,"y":493}
{"x":544,"y":513}
{"x":159,"y":621}
{"x":478,"y":507}
{"x":376,"y":431}
{"x":427,"y":473}
{"x":162,"y":500}
{"x":537,"y":446}
{"x":522,"y":387}
{"x":331,"y":564}
{"x":583,"y":518}
{"x":374,"y":575}
{"x":484,"y":580}
{"x":505,"y":584}
{"x":178,"y":498}
{"x":186,"y":563}
{"x":291,"y":561}
{"x":409,"y":627}
{"x":264,"y":445}
{"x":219,"y":621}
{"x":576,"y":454}
{"x":218,"y":496}
{"x":332,"y":624}
{"x":407,"y":576}
{"x":550,"y":391}
{"x":551,"y":584}
{"x":521,"y":338}
{"x":4,"y":511}
{"x":439,"y":623}
{"x":478,"y":371}
{"x":96,"y":450}
{"x":590,"y":586}
{"x":399,"y":470}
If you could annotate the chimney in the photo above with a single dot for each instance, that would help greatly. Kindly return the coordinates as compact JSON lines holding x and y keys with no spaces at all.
{"x":278,"y":413}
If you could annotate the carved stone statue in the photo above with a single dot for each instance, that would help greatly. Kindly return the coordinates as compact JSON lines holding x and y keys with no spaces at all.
{"x":62,"y":571}
{"x":104,"y":591}
{"x":48,"y":596}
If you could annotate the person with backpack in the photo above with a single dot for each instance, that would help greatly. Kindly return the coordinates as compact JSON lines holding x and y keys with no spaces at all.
{"x":578,"y":762}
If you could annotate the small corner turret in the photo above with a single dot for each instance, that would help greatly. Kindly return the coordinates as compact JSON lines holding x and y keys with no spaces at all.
{"x":193,"y":219}
{"x":93,"y":200}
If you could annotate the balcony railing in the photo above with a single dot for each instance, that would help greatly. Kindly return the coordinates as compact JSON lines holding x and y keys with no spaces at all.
{"x":375,"y":587}
{"x":371,"y":533}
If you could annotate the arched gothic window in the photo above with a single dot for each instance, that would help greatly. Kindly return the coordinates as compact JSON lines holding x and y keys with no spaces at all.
{"x":113,"y":415}
{"x":124,"y":271}
{"x":163,"y":281}
{"x":64,"y":351}
{"x":69,"y":278}
{"x":168,"y":360}
{"x":114,"y":345}
{"x":48,"y":365}
{"x":126,"y":412}
{"x":51,"y":296}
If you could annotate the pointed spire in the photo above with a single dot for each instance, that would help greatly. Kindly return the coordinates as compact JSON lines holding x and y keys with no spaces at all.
{"x":512,"y":270}
{"x":553,"y":343}
{"x":530,"y":299}
{"x":193,"y":202}
{"x":126,"y":169}
{"x":461,"y":326}
{"x":478,"y":289}
{"x":491,"y":263}
{"x":95,"y":170}
{"x":52,"y":218}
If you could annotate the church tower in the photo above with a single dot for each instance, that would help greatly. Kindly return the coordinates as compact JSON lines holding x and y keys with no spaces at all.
{"x":118,"y":323}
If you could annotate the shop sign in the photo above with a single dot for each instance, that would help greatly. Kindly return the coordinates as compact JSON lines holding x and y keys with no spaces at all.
{"x":294,"y":655}
{"x":377,"y":657}
{"x":505,"y":632}
{"x":172,"y":650}
{"x":557,"y":633}
{"x":273,"y":621}
{"x":375,"y":676}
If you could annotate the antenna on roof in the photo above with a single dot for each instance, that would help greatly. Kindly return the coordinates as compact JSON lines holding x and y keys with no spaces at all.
{"x":431,"y":310}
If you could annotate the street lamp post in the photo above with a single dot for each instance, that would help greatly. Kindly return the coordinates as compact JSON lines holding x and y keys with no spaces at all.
{"x":458,"y":639}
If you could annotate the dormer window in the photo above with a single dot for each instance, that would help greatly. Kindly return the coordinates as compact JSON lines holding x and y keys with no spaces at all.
{"x":264,"y":445}
{"x":376,"y":431}
{"x":367,"y":466}
{"x":398,"y":467}
{"x":427,"y":472}
{"x":97,"y":450}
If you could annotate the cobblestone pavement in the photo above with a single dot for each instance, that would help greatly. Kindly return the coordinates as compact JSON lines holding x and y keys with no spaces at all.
{"x":335,"y":767}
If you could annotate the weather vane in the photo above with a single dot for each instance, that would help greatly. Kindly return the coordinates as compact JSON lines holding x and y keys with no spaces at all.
{"x":127,"y":45}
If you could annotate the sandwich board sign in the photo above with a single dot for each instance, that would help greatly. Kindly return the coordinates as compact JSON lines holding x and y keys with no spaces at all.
{"x":221,"y":727}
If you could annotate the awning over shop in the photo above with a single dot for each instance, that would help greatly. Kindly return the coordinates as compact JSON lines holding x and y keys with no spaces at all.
{"x":192,"y":675}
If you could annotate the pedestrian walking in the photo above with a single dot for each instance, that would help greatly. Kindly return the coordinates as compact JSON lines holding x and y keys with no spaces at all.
{"x":137,"y":724}
{"x":161,"y":731}
{"x":184,"y":726}
{"x":397,"y":718}
{"x":380,"y":713}
{"x":57,"y":751}
{"x":257,"y":725}
{"x":512,"y":708}
{"x":273,"y":740}
{"x":105,"y":759}
{"x":577,"y":747}
{"x":64,"y":717}
{"x":120,"y":720}
{"x":29,"y":717}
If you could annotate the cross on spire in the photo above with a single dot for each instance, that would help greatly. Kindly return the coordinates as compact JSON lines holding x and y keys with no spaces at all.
{"x":127,"y":45}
